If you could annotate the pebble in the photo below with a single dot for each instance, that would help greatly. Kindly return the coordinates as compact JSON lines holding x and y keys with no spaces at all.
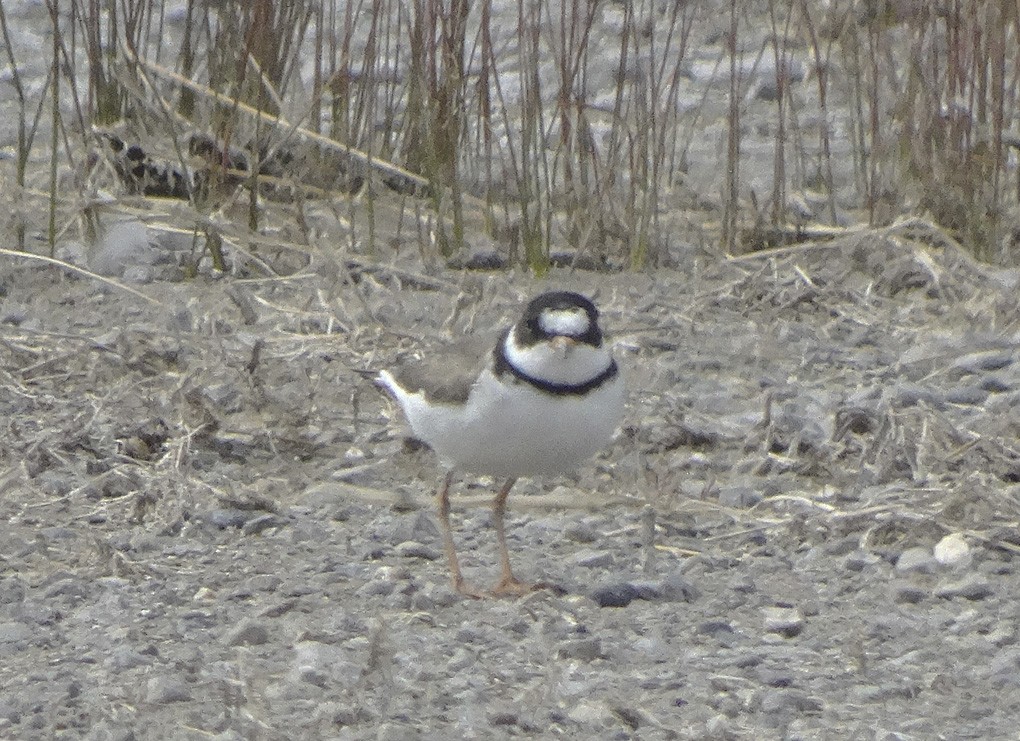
{"x":248,"y":633}
{"x":315,"y":677}
{"x":739,"y":497}
{"x":909,"y":594}
{"x":953,"y":551}
{"x":413,"y":549}
{"x":678,"y":588}
{"x":1002,"y":635}
{"x":595,"y":712}
{"x":615,"y":595}
{"x":593,"y":559}
{"x":584,"y":649}
{"x":785,"y":700}
{"x":14,"y":632}
{"x":377,"y":588}
{"x":262,"y":523}
{"x":161,"y":690}
{"x":504,"y":718}
{"x":996,"y":385}
{"x":580,"y":532}
{"x":227,"y":518}
{"x":971,"y":395}
{"x":917,"y":559}
{"x":776,"y":677}
{"x":985,"y":360}
{"x":1006,"y":664}
{"x":860,"y":560}
{"x":971,"y":587}
{"x":787,"y":621}
{"x":123,"y":658}
{"x":714,"y":627}
{"x":647,"y":590}
{"x":263,"y":583}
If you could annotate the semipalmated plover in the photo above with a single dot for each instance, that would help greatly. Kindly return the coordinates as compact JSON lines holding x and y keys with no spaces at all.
{"x":545,"y":398}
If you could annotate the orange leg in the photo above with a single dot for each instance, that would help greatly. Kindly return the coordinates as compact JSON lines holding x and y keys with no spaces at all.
{"x":508,"y":583}
{"x":443,"y":502}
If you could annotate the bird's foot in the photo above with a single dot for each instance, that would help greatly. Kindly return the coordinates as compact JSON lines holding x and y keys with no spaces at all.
{"x":511,"y":586}
{"x":464,"y":589}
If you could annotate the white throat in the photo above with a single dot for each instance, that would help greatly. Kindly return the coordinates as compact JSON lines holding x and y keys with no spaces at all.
{"x":566,"y":322}
{"x":570,"y":363}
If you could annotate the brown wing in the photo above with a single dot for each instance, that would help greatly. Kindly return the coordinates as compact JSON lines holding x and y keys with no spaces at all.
{"x":447,"y":373}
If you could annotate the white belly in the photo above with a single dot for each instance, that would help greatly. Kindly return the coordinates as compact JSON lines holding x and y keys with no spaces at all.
{"x":517,"y":430}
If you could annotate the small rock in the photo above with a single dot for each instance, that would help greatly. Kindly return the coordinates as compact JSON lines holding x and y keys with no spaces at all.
{"x":248,"y":633}
{"x":594,"y":559}
{"x":630,"y":716}
{"x":588,"y":648}
{"x":970,"y":395}
{"x":262,"y":523}
{"x":647,"y":590}
{"x":678,"y":588}
{"x":841,"y":547}
{"x":412,"y":549}
{"x":860,"y":560}
{"x":909,"y":594}
{"x":915,"y":559}
{"x":14,"y":632}
{"x":161,"y":690}
{"x":595,"y":712}
{"x":787,"y":621}
{"x":12,"y":591}
{"x":279,"y":608}
{"x":262,"y":583}
{"x":775,"y":677}
{"x":123,"y":658}
{"x":227,"y":518}
{"x":377,"y":588}
{"x":971,"y":587}
{"x":1006,"y":664}
{"x":739,"y":497}
{"x":727,"y":683}
{"x":424,"y":528}
{"x":1002,"y":635}
{"x":869,"y":693}
{"x":580,"y":532}
{"x":714,"y":627}
{"x":995,"y":385}
{"x":615,"y":595}
{"x":953,"y":551}
{"x":503,"y":718}
{"x":985,"y":360}
{"x":313,"y":676}
{"x":785,"y":700}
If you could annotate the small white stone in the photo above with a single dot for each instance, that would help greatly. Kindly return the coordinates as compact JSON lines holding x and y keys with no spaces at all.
{"x":594,"y":712}
{"x":953,"y":551}
{"x":787,"y":621}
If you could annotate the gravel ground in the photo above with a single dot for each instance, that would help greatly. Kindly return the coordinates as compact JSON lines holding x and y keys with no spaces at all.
{"x":213,"y":526}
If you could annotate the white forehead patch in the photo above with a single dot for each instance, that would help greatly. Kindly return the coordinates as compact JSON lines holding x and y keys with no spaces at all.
{"x":564,"y":322}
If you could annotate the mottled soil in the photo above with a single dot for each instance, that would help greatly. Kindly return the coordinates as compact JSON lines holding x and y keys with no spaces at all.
{"x":212,"y":525}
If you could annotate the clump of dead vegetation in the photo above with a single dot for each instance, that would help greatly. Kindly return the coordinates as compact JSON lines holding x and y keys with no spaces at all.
{"x":513,"y":131}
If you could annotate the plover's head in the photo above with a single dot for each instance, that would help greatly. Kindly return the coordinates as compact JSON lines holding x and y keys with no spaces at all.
{"x":561,"y":318}
{"x":558,"y":342}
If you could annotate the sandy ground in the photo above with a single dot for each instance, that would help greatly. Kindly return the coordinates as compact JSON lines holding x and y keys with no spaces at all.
{"x":212,"y":525}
